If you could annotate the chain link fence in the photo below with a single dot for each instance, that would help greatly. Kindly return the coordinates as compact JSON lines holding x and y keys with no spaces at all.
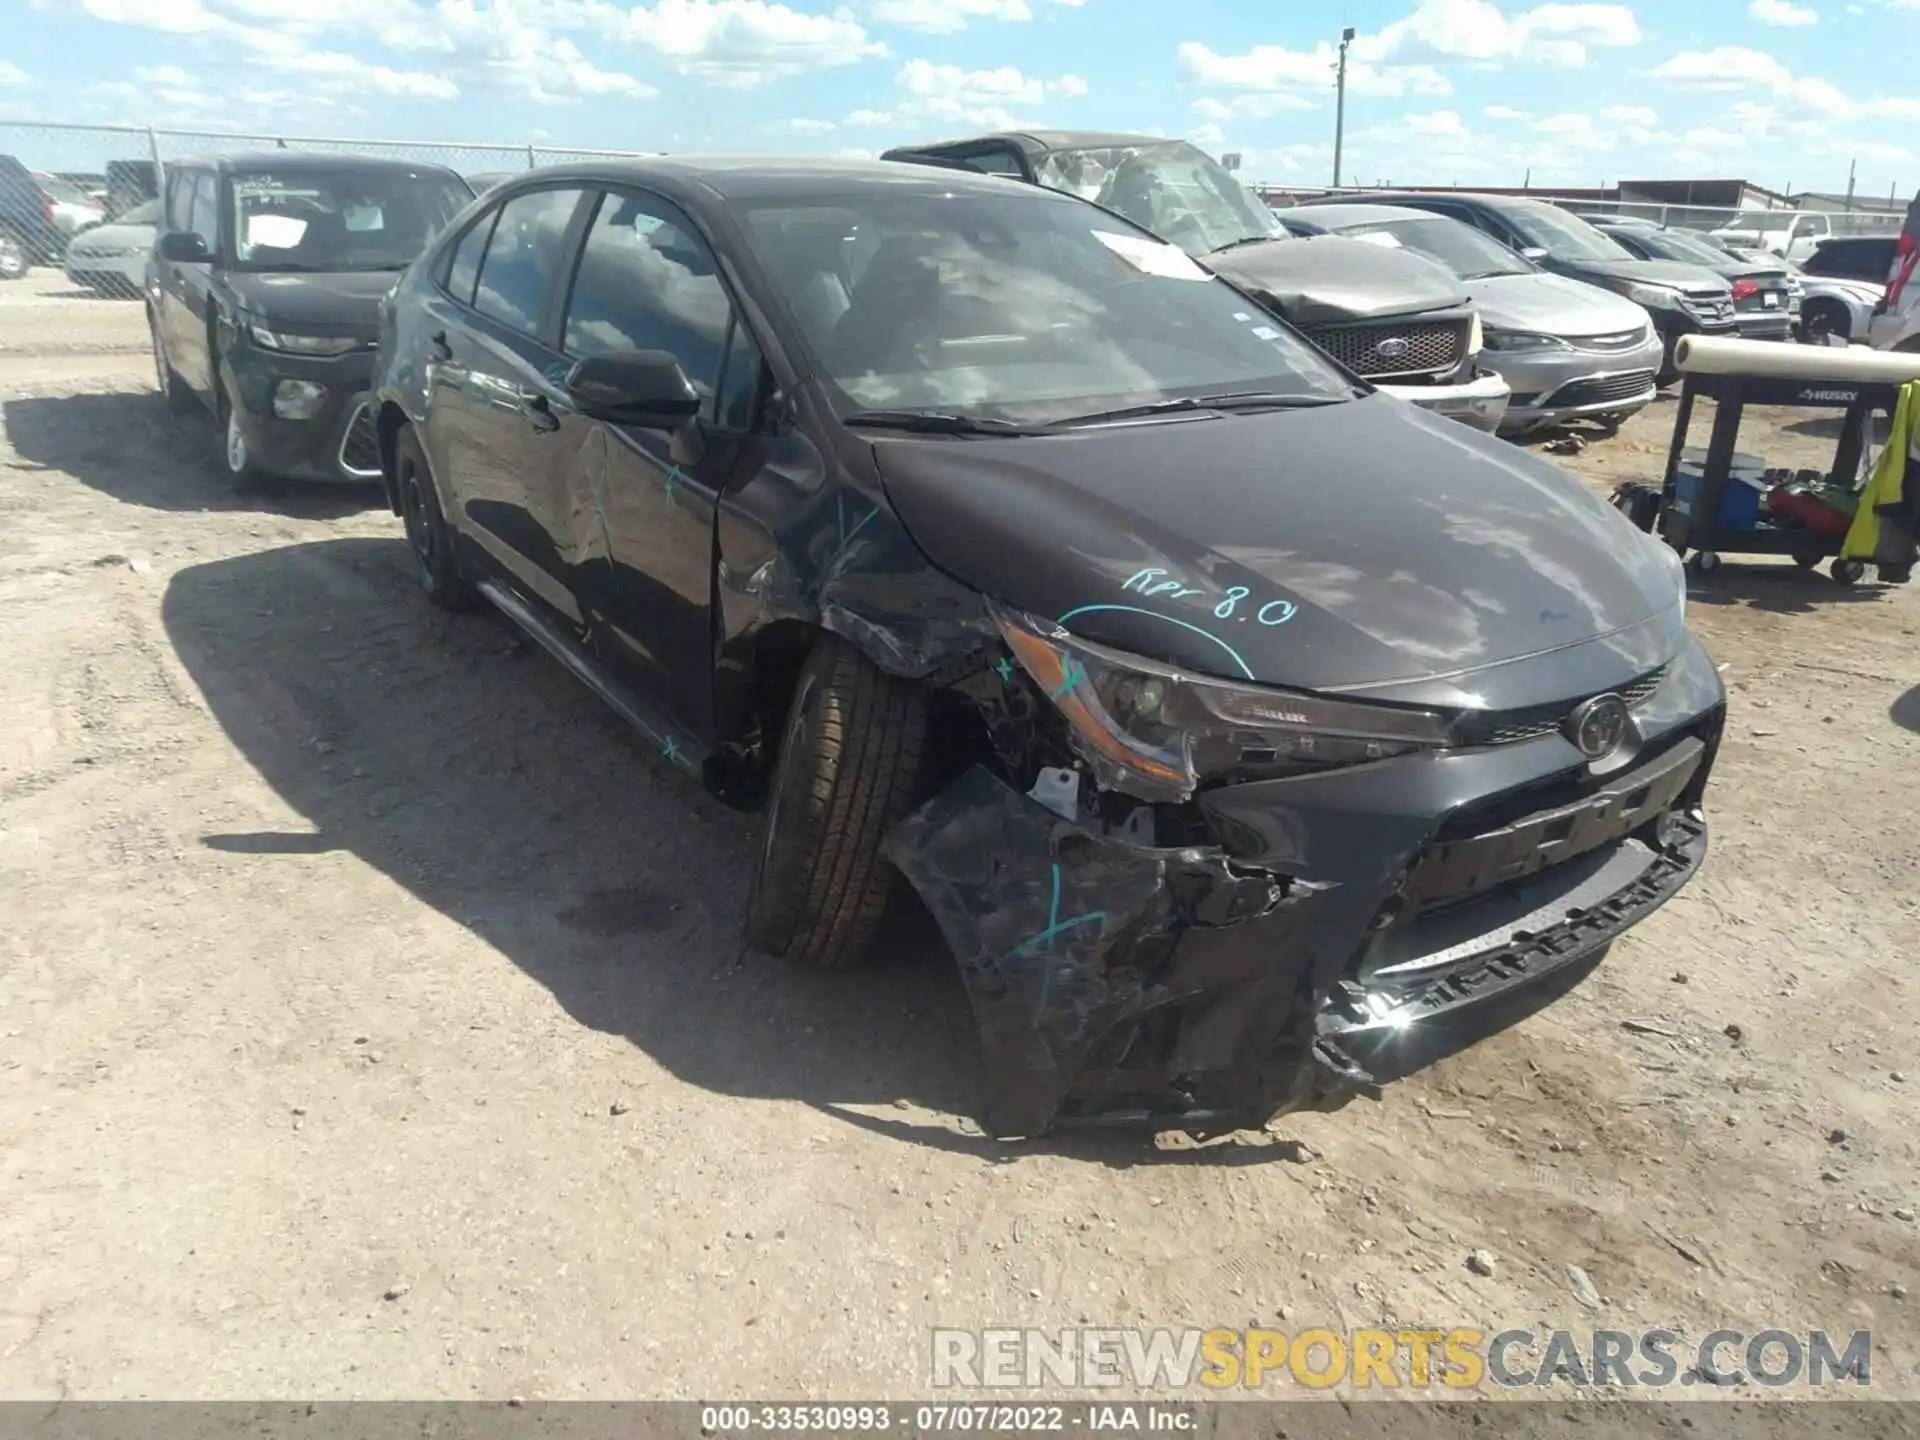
{"x":85,"y":198}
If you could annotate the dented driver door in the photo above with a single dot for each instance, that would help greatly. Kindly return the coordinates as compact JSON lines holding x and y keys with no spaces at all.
{"x":647,"y":281}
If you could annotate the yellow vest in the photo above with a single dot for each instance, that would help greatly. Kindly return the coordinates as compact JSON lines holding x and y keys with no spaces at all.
{"x":1889,"y":476}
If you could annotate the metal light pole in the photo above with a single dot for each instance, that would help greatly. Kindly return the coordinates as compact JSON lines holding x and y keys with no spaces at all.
{"x":1340,"y":105}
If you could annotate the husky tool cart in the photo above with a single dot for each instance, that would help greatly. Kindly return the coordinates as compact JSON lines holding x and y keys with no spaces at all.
{"x":1716,"y":500}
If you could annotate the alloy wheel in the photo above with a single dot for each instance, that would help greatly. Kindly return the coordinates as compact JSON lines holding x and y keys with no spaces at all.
{"x":236,"y":444}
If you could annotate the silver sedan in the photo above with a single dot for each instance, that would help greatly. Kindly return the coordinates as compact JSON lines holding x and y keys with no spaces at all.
{"x":1566,"y":349}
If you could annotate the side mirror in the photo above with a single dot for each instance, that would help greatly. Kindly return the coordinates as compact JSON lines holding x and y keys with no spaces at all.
{"x":634,"y":387}
{"x":184,"y":247}
{"x":1535,"y":253}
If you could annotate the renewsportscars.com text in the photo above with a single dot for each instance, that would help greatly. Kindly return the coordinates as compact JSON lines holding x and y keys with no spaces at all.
{"x":1457,"y":1359}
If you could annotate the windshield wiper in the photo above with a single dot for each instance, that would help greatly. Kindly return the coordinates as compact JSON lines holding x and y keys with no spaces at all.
{"x":1230,"y":400}
{"x":936,"y":422}
{"x":1243,"y":240}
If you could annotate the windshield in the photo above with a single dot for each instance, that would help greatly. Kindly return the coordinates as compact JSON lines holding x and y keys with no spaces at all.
{"x":1671,"y":245}
{"x":146,"y":213}
{"x":62,"y":192}
{"x":1461,"y":248}
{"x":1561,"y":235}
{"x":345,"y":219}
{"x":1013,"y":307}
{"x":1167,"y":187}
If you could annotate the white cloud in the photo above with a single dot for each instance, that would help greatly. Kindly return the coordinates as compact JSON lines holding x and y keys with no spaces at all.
{"x":12,"y":74}
{"x":1443,"y":31}
{"x":810,"y":127}
{"x":947,"y":17}
{"x":744,"y":43}
{"x":1275,"y":68}
{"x":1209,"y":135}
{"x":1503,"y":112}
{"x":1641,"y":115}
{"x":871,"y":119}
{"x":1735,"y":67}
{"x":1441,"y":124}
{"x":1782,"y":12}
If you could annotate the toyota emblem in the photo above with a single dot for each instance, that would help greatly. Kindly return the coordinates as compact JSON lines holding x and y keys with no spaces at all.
{"x":1392,"y":348}
{"x":1598,"y":725}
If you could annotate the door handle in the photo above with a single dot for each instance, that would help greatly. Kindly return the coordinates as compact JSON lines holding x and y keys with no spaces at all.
{"x":534,"y":406}
{"x":437,"y":344}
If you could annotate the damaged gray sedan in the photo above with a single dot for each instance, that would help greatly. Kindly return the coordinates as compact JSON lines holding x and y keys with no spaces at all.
{"x":1234,"y":722}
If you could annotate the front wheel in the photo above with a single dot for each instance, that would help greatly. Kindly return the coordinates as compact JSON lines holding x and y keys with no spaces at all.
{"x":849,"y":767}
{"x":236,"y":453}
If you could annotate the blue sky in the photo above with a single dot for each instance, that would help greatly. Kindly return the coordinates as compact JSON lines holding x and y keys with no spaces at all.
{"x":1785,"y":92}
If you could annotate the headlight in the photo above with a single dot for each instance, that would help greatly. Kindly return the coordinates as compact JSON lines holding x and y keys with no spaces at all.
{"x":1476,"y":337}
{"x":1512,"y":340}
{"x":1654,"y":297}
{"x":1157,"y":730}
{"x":301,"y":344}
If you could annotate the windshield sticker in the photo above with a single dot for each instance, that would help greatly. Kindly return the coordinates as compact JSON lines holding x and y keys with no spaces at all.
{"x":1243,"y":317}
{"x":277,"y":232}
{"x":1386,"y":239}
{"x":1266,"y":332}
{"x":1152,"y":257}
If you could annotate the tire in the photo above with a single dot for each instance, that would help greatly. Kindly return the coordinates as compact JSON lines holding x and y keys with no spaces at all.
{"x":173,"y":390}
{"x":1822,"y":318}
{"x":849,"y":767}
{"x":429,"y":537}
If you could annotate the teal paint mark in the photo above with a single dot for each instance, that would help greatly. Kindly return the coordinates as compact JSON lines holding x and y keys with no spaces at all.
{"x":1075,"y":673}
{"x":670,"y":750}
{"x":674,"y":477}
{"x":1005,"y":671}
{"x":848,"y":538}
{"x":1233,"y":654}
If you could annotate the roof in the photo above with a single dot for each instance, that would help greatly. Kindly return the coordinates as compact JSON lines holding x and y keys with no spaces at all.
{"x":766,"y":177}
{"x":1372,"y":214}
{"x":1379,"y":199}
{"x":1050,"y":140}
{"x":295,"y":162}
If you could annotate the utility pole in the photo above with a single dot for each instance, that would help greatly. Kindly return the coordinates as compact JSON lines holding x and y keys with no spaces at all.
{"x":1852,"y":166}
{"x":1340,"y":105}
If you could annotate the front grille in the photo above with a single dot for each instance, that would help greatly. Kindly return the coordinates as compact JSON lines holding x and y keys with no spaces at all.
{"x":1608,"y":344}
{"x":1710,"y":309}
{"x":360,"y":446}
{"x":1508,"y":727}
{"x":1428,"y":348}
{"x":1604,"y":389}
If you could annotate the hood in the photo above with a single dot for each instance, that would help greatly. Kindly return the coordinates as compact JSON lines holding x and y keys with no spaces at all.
{"x":1359,"y":546}
{"x":1653,"y":272}
{"x":1329,"y":280}
{"x":347,"y":301}
{"x":1554,"y":305}
{"x":104,"y":238}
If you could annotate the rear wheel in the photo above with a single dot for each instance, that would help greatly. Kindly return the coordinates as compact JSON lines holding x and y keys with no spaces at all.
{"x":179,"y":399}
{"x":428,"y":535}
{"x":849,"y":767}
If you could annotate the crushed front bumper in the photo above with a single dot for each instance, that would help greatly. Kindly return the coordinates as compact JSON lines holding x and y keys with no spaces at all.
{"x":1480,"y":402}
{"x":1334,"y":918}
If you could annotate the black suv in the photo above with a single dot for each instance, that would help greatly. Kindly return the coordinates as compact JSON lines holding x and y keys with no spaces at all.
{"x":1683,"y":299}
{"x":263,"y":299}
{"x":1230,"y":717}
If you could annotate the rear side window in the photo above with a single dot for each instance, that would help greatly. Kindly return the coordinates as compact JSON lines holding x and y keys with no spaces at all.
{"x":463,"y":265}
{"x":647,"y":282}
{"x":523,"y":257}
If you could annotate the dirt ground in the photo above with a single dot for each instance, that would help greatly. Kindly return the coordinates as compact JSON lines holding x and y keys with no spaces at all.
{"x":373,"y":1018}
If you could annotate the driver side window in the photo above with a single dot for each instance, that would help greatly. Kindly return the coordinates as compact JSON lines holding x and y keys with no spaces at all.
{"x":646,"y":281}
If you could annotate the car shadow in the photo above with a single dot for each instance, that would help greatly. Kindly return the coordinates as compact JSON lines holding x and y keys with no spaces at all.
{"x":172,"y":465}
{"x":1905,"y":712}
{"x":87,"y":293}
{"x":1779,"y":589}
{"x":471,"y":770}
